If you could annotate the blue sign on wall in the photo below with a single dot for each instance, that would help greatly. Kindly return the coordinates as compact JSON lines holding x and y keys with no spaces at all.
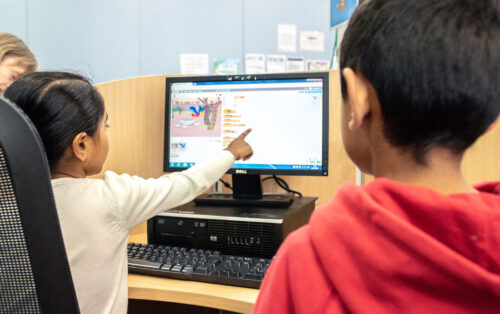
{"x":341,"y":11}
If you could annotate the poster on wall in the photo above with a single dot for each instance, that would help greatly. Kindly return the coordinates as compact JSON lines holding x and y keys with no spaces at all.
{"x":226,"y":66}
{"x":287,"y":37}
{"x":341,"y":11}
{"x":276,"y":63}
{"x":194,"y":63}
{"x":317,"y":65}
{"x":312,"y":41}
{"x":255,"y":63}
{"x":295,"y":64}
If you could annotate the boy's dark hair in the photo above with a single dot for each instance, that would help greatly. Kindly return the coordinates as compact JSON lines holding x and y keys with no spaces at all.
{"x":60,"y":105}
{"x":435,"y":66}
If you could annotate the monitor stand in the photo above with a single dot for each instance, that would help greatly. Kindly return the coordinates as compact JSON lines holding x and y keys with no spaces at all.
{"x":247,"y":191}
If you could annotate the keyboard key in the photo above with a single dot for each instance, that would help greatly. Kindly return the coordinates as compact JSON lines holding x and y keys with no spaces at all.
{"x":237,"y":265}
{"x":177,"y":268}
{"x":223,"y":273}
{"x":166,"y":266}
{"x":233,"y":274}
{"x":201,"y":270}
{"x":215,"y":260}
{"x":143,"y":263}
{"x":215,"y":273}
{"x":245,"y":267}
{"x":253,"y":276}
{"x":188,"y":269}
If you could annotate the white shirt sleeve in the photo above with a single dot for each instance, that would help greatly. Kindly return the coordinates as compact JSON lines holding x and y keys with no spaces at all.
{"x":137,"y":199}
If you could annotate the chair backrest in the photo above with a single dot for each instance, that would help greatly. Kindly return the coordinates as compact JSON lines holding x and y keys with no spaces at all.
{"x":34,"y":271}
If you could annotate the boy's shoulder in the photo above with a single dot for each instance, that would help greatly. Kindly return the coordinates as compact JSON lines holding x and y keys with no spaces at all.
{"x":387,"y":204}
{"x":386,"y":193}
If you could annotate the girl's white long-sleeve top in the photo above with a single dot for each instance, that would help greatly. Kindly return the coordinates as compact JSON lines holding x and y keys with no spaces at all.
{"x":96,"y":216}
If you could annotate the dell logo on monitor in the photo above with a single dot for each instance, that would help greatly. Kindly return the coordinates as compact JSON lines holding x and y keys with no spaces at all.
{"x":241,"y":171}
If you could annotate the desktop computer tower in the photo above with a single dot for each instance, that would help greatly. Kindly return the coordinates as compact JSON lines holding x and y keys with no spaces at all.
{"x":232,"y":230}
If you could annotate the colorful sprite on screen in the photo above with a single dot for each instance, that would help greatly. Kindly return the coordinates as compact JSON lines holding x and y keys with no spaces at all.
{"x":341,"y":11}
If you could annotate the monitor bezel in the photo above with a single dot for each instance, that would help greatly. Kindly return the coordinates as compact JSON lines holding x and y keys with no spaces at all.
{"x":210,"y":78}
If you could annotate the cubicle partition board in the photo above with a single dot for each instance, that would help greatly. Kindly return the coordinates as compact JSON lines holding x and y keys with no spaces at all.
{"x":481,"y":161}
{"x":136,"y":109}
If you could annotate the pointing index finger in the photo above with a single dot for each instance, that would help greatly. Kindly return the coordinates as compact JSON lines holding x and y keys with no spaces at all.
{"x":244,"y":134}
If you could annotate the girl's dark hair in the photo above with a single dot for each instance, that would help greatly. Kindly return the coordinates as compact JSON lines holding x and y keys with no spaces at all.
{"x":61,"y":105}
{"x":435,"y":66}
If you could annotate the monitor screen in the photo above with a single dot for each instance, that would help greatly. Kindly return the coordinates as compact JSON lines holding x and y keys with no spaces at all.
{"x":288,"y":114}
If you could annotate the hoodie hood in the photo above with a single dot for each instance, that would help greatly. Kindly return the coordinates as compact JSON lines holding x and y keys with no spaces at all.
{"x":398,"y":246}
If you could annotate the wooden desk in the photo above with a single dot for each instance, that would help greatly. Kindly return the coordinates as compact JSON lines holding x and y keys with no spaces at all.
{"x":229,"y":298}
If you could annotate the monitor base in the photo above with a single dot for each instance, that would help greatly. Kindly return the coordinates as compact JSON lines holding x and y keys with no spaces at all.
{"x":227,"y":199}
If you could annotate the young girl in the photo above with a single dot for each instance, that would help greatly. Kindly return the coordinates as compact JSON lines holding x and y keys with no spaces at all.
{"x":96,"y":215}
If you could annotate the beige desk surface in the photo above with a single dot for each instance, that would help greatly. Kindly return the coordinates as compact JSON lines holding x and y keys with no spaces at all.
{"x":222,"y":297}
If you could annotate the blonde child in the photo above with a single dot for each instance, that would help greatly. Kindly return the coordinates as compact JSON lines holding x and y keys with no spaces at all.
{"x":16,"y":60}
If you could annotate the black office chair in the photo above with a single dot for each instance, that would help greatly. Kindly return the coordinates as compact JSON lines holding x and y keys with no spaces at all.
{"x":34,"y":270}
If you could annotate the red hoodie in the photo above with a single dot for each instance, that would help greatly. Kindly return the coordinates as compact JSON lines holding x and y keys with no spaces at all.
{"x":389,"y":247}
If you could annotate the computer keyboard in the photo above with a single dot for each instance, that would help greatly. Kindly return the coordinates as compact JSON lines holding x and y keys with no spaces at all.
{"x":196,"y":264}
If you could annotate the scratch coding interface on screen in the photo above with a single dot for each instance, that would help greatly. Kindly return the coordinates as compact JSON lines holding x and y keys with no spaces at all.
{"x":285,"y":116}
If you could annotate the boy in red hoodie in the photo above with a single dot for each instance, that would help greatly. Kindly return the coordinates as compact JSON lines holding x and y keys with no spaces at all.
{"x":420,"y":83}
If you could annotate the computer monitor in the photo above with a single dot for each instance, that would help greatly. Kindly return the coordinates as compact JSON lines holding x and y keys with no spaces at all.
{"x":288,"y":114}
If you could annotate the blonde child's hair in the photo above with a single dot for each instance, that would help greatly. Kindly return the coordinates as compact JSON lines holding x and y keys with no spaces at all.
{"x":11,"y":46}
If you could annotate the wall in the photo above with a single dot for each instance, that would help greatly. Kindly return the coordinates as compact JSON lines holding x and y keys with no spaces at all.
{"x":115,"y":39}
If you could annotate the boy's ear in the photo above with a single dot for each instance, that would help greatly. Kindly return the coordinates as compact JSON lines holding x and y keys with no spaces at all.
{"x":358,"y":93}
{"x":80,"y":146}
